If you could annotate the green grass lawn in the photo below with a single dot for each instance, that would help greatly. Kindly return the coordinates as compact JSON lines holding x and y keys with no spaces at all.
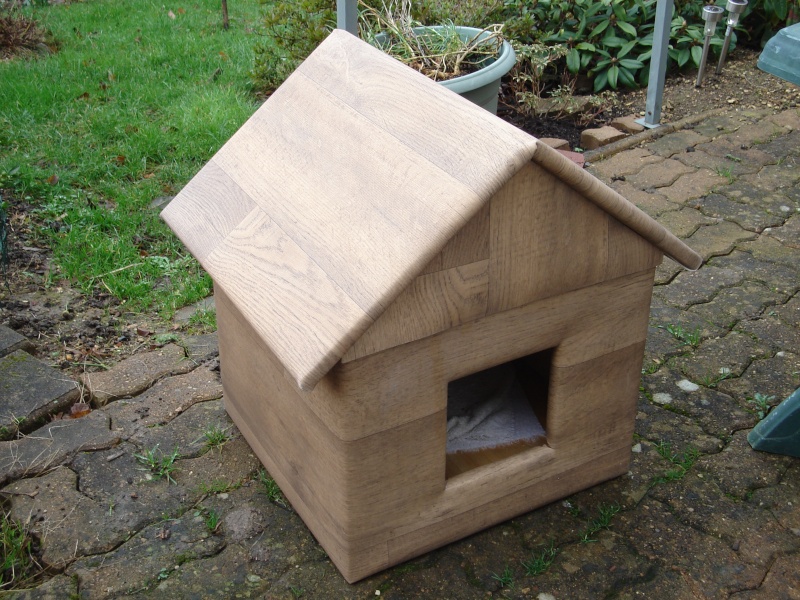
{"x":138,"y":96}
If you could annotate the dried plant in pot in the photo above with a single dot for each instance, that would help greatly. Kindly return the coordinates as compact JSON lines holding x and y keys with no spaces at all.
{"x":467,"y":60}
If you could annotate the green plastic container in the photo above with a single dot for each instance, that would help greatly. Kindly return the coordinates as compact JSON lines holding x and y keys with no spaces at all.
{"x":779,"y":432}
{"x":781,"y":55}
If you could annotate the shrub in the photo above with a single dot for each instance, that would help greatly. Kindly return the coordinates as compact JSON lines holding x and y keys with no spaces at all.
{"x":293,"y":29}
{"x":763,"y":18}
{"x":19,"y":34}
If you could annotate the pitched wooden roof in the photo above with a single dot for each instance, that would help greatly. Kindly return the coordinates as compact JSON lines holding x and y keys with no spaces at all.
{"x":341,"y":188}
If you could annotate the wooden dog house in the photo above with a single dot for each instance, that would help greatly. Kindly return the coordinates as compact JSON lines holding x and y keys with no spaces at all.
{"x":375,"y":240}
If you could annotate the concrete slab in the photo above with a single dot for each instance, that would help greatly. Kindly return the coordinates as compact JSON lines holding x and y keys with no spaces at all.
{"x":135,"y":374}
{"x":30,"y":391}
{"x":10,"y":341}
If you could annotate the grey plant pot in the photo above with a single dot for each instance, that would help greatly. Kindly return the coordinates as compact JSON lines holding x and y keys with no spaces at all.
{"x":481,"y":87}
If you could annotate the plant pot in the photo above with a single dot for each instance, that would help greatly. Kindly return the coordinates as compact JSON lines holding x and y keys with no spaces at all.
{"x":481,"y":87}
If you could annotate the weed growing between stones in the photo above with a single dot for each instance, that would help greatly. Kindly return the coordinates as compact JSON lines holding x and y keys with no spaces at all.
{"x":19,"y":563}
{"x":505,"y":579}
{"x":761,"y":403}
{"x":218,"y":487}
{"x":540,"y":563}
{"x":210,"y":518}
{"x":686,"y":337}
{"x":681,"y":461}
{"x":159,"y":464}
{"x":712,"y":380}
{"x":274,"y":493}
{"x":203,"y":320}
{"x":215,"y":437}
{"x":607,"y":513}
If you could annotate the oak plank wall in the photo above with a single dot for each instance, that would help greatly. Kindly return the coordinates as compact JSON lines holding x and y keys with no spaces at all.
{"x":373,"y":237}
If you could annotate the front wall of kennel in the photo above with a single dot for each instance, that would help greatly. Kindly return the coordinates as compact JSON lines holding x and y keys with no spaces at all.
{"x":389,"y":239}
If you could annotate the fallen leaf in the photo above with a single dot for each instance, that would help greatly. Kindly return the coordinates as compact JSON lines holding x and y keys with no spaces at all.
{"x":120,"y":159}
{"x":83,"y":96}
{"x":53,"y":179}
{"x":223,"y":55}
{"x":181,"y":11}
{"x":143,"y":332}
{"x":171,"y":15}
{"x":78,"y":410}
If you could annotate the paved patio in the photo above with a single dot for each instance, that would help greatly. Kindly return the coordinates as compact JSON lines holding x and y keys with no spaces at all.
{"x":699,"y":515}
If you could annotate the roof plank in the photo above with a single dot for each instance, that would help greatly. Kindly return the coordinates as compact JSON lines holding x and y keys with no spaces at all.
{"x":369,"y":211}
{"x":472,"y":145}
{"x":292,"y":304}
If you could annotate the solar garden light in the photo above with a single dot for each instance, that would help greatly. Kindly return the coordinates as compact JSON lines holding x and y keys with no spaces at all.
{"x":735,"y":8}
{"x":711,"y":15}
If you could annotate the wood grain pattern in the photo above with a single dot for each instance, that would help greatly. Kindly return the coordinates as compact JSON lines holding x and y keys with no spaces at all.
{"x":469,"y":245}
{"x":545,"y":239}
{"x":371,"y":220}
{"x":384,"y":390}
{"x":381,"y":498}
{"x":615,"y":205}
{"x":207,"y":210}
{"x":431,"y":304}
{"x":273,"y":282}
{"x":628,"y":252}
{"x":459,"y":137}
{"x":598,"y":396}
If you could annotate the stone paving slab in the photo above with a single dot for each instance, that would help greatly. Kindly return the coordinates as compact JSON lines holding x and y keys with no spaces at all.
{"x":53,"y":444}
{"x":698,"y":515}
{"x":136,"y":374}
{"x":678,"y":142}
{"x":11,"y":341}
{"x":31,"y":391}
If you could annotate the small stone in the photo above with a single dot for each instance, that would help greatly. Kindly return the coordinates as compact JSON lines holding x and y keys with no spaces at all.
{"x":637,"y":448}
{"x":688,"y":386}
{"x":662,"y":398}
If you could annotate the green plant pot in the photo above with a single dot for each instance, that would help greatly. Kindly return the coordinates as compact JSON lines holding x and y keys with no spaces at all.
{"x":481,"y":87}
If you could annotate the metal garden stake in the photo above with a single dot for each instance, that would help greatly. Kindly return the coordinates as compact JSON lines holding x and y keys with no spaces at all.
{"x":735,"y":8}
{"x":658,"y":64}
{"x":347,"y":15}
{"x":711,"y":15}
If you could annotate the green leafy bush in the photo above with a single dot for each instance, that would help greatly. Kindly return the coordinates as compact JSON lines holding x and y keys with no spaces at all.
{"x":293,"y":29}
{"x":763,"y":18}
{"x":611,"y":40}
